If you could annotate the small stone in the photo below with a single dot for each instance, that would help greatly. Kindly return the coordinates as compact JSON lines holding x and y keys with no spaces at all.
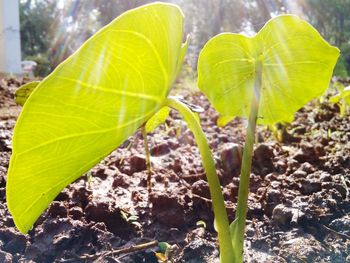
{"x":5,"y":257}
{"x":57,"y":209}
{"x":160,"y":149}
{"x":309,"y":187}
{"x":121,"y":180}
{"x":299,"y":174}
{"x":167,"y":209}
{"x":273,"y":198}
{"x":231,"y":192}
{"x":263,"y":152}
{"x":325,"y":177}
{"x":231,"y":156}
{"x":341,"y":224}
{"x":103,"y":173}
{"x":201,"y":188}
{"x":307,"y":154}
{"x":137,"y":163}
{"x":177,"y":168}
{"x":76,"y":212}
{"x":282,"y":215}
{"x":13,"y":241}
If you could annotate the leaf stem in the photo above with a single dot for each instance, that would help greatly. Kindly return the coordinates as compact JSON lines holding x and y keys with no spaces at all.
{"x":242,"y":204}
{"x":221,"y":219}
{"x":148,"y":158}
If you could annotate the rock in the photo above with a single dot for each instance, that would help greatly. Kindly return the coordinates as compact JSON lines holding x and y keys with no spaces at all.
{"x":57,"y":209}
{"x":273,"y":198}
{"x":81,"y":196}
{"x":76,"y":212}
{"x":309,"y":187}
{"x":299,"y":174}
{"x":263,"y":159}
{"x":307,"y":167}
{"x":282,"y":215}
{"x":325,"y":177}
{"x":103,"y":173}
{"x":160,"y":149}
{"x":198,"y":250}
{"x":2,"y":181}
{"x":231,"y":156}
{"x":341,"y":224}
{"x":263,"y":153}
{"x":231,"y":192}
{"x":107,"y":212}
{"x":14,"y":242}
{"x":307,"y":154}
{"x":339,"y":187}
{"x":5,"y":257}
{"x":121,"y":180}
{"x":137,"y":163}
{"x":168,"y":209}
{"x":176,"y":166}
{"x":201,"y":188}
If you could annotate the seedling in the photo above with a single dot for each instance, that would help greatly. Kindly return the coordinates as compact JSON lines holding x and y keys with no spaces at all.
{"x":342,"y":99}
{"x":265,"y":78}
{"x":115,"y":83}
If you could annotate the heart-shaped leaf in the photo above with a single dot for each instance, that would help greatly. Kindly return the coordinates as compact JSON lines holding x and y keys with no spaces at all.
{"x":297,"y":65}
{"x":90,"y":104}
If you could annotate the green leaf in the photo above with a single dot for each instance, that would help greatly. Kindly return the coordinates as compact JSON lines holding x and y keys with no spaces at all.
{"x":22,"y":94}
{"x":346,"y":95}
{"x":297,"y":65}
{"x":163,"y":246}
{"x":224,"y":120}
{"x":90,"y":104}
{"x":157,"y":119}
{"x":335,"y":99}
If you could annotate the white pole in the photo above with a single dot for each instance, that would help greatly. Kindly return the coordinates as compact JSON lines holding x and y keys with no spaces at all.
{"x":10,"y":44}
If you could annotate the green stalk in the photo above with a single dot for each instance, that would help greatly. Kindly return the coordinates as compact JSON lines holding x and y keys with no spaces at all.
{"x":238,"y":226}
{"x":221,"y":219}
{"x":148,"y":158}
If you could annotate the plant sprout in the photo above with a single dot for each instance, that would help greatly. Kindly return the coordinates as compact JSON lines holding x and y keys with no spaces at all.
{"x":342,"y":99}
{"x":265,"y":78}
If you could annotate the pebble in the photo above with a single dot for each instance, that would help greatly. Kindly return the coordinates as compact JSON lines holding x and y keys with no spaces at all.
{"x":263,"y":152}
{"x":231,"y":156}
{"x":160,"y":149}
{"x":5,"y":257}
{"x":137,"y":163}
{"x":201,"y":188}
{"x":341,"y":224}
{"x":282,"y":215}
{"x":309,"y":187}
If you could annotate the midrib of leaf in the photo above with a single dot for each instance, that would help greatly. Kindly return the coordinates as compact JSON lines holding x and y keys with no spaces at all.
{"x":72,"y":136}
{"x":117,"y":92}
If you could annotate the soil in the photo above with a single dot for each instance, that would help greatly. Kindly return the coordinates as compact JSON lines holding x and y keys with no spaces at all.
{"x":299,"y":209}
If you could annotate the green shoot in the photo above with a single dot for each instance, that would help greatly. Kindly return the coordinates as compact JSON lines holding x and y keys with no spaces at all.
{"x":221,"y":219}
{"x":342,"y":99}
{"x":148,"y":159}
{"x":265,"y":78}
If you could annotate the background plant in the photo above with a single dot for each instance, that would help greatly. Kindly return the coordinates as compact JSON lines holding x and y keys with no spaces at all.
{"x":342,"y":98}
{"x":52,"y":30}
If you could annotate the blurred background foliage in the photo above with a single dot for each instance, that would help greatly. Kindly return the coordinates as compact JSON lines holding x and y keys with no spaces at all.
{"x":51,"y":30}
